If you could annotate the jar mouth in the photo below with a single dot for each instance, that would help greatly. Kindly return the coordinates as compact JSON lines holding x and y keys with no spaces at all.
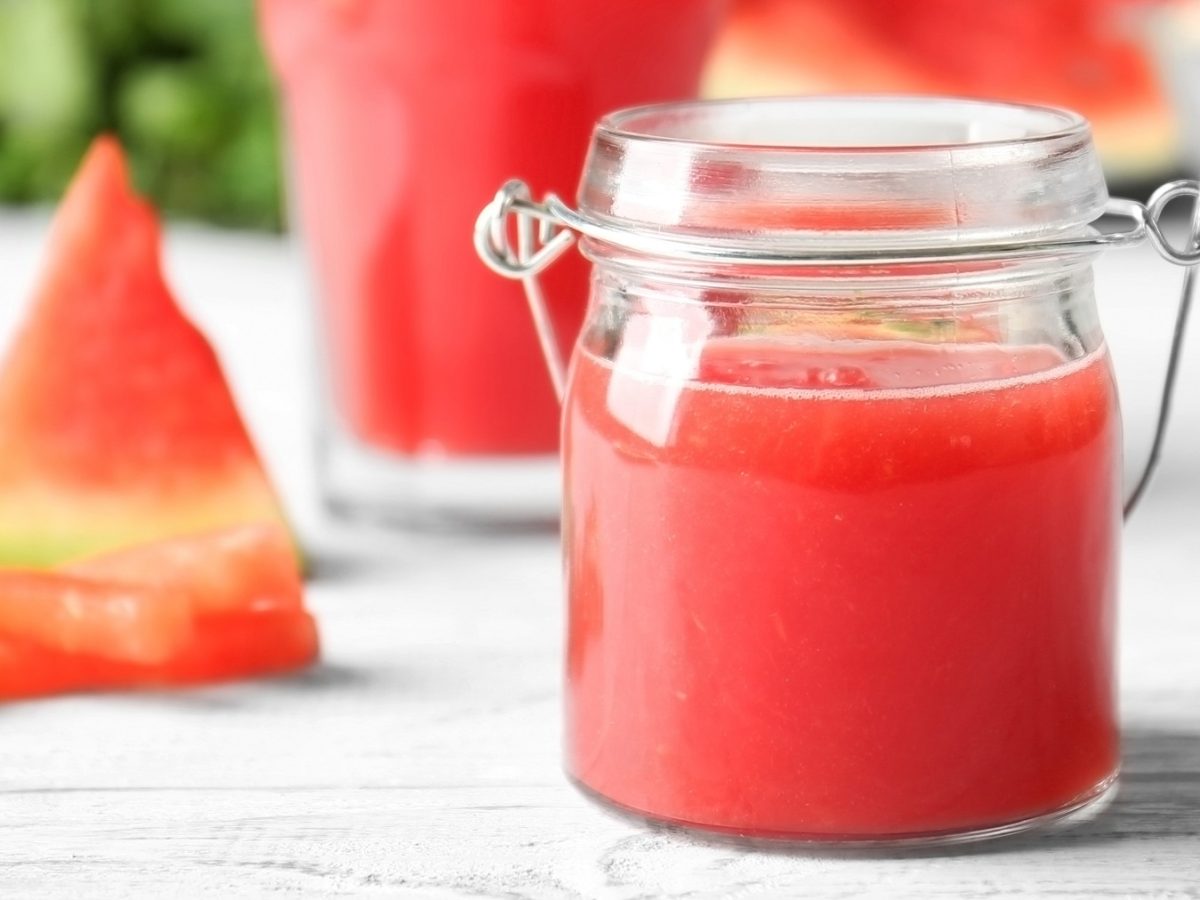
{"x":873,"y":172}
{"x":878,"y":123}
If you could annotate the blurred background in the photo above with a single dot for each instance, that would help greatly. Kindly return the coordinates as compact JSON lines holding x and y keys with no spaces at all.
{"x":184,"y":84}
{"x":1116,"y":61}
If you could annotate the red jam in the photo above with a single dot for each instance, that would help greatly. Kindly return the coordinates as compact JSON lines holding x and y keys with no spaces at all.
{"x":813,"y":596}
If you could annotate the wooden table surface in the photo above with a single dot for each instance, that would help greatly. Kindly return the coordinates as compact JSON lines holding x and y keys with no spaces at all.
{"x":421,"y":757}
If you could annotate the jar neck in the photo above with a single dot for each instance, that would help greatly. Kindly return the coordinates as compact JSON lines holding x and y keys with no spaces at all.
{"x":1045,"y":304}
{"x":891,"y":283}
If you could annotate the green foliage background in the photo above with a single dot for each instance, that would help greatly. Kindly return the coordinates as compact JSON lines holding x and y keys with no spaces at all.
{"x":181,"y":82}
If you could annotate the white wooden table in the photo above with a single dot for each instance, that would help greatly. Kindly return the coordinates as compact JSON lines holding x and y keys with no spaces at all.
{"x":421,"y":757}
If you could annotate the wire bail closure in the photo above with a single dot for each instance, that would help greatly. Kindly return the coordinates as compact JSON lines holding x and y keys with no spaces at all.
{"x":546,"y":230}
{"x":533,"y":252}
{"x":558,"y":223}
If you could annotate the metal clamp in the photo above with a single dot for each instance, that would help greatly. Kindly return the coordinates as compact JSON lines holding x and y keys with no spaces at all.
{"x":533,"y":252}
{"x":557,"y":225}
{"x":556,"y":221}
{"x":1188,"y":256}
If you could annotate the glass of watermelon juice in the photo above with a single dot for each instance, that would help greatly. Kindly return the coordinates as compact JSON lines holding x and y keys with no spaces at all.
{"x":841,"y":455}
{"x":399,"y":116}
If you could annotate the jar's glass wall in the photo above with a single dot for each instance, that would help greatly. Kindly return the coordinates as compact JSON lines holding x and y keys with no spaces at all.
{"x":658,"y":321}
{"x":841,"y":549}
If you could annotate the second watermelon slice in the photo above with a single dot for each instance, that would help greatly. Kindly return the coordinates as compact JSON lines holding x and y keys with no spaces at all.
{"x":211,"y":607}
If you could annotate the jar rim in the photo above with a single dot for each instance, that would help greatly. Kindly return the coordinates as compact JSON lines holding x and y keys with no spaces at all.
{"x":622,"y":124}
{"x":852,"y":172}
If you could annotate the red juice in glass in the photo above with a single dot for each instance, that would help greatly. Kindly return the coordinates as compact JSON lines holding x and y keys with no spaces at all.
{"x":401,"y":116}
{"x":817,"y":592}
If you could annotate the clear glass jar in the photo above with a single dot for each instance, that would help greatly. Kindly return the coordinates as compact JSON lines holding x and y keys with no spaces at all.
{"x":435,"y":409}
{"x":841,"y":469}
{"x":842,"y":542}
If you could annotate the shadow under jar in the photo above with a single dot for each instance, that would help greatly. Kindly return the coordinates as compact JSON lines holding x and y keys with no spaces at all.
{"x":842,"y":500}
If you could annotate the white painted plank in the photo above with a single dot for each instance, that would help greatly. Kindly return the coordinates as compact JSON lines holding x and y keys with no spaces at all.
{"x":421,"y":759}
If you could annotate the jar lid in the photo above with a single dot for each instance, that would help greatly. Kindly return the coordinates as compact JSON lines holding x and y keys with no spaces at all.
{"x":857,"y":173}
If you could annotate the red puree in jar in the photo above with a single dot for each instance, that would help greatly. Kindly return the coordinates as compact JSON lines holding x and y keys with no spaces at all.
{"x":404,"y":117}
{"x":809,"y":598}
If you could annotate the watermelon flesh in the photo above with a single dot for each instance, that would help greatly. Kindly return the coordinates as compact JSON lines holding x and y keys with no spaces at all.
{"x":222,"y":648}
{"x":75,"y":616}
{"x":222,"y":605}
{"x":239,"y":569}
{"x":117,"y":426}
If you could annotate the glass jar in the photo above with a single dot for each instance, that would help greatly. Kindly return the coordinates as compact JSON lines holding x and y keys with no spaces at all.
{"x":399,"y":115}
{"x":841,"y":468}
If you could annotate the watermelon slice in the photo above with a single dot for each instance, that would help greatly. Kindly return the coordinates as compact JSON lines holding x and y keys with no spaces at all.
{"x":184,"y":611}
{"x":244,"y":568}
{"x":231,"y":647}
{"x":1083,"y":54}
{"x":116,"y":424}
